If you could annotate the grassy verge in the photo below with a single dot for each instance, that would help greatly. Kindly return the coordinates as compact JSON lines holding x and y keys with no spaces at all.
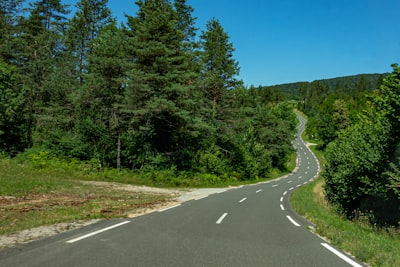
{"x":377,"y":247}
{"x":30,"y":198}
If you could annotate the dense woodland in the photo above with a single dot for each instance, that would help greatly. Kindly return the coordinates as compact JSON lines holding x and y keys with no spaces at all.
{"x":151,"y":94}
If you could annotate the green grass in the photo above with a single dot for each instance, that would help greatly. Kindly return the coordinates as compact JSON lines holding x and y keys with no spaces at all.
{"x":31,"y":197}
{"x":377,"y":247}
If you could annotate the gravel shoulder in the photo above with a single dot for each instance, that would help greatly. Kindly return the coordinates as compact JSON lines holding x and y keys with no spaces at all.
{"x":178,"y":196}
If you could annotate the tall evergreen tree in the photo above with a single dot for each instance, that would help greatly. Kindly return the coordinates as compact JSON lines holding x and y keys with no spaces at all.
{"x":10,"y":14}
{"x":98,"y":115}
{"x":90,"y":18}
{"x":219,"y":67}
{"x":160,"y":97}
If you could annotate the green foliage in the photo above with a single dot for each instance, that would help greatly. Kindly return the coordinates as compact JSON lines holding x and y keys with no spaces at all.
{"x":145,"y":96}
{"x":354,"y":163}
{"x":14,"y":126}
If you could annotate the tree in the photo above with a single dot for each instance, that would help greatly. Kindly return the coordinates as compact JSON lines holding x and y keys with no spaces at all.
{"x":14,"y":130}
{"x":42,"y":32}
{"x":89,"y":20}
{"x":97,"y":101}
{"x":387,"y":100}
{"x":10,"y":14}
{"x":341,"y":116}
{"x":160,"y":97}
{"x":355,"y":162}
{"x":219,"y":69}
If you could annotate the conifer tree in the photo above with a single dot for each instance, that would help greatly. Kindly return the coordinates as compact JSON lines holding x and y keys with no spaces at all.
{"x":10,"y":14}
{"x":160,"y":97}
{"x":90,"y":18}
{"x":219,"y":67}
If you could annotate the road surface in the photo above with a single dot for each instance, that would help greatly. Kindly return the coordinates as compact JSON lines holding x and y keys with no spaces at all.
{"x":247,"y":226}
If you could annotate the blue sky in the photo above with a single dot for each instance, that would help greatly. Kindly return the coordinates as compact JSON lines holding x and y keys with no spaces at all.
{"x":282,"y":41}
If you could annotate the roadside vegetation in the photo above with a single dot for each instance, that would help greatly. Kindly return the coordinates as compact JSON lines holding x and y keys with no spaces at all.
{"x":375,"y":245}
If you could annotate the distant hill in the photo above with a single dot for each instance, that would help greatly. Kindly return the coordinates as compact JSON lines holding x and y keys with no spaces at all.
{"x":368,"y":81}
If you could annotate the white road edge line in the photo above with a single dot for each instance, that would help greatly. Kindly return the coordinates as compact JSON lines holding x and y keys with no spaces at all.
{"x":97,"y":232}
{"x":221,"y":218}
{"x":275,"y":185}
{"x":282,"y":207}
{"x":341,"y":255}
{"x":168,"y":208}
{"x":281,"y":199}
{"x":292,"y":221}
{"x":243,"y":199}
{"x":258,"y":191}
{"x":284,"y":193}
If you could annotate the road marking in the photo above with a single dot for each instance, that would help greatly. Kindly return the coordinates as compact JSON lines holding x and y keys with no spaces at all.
{"x":290,"y":189}
{"x":284,"y":193}
{"x":290,"y":182}
{"x":97,"y":232}
{"x":292,"y":221}
{"x":221,"y":218}
{"x":281,"y":199}
{"x":169,"y":208}
{"x":305,"y":183}
{"x":275,"y":185}
{"x":258,"y":191}
{"x":300,"y":177}
{"x":243,"y":199}
{"x":341,"y":255}
{"x":298,"y":185}
{"x":306,"y":173}
{"x":282,"y":207}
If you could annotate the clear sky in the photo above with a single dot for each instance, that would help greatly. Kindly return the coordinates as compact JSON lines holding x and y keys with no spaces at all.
{"x":282,"y":41}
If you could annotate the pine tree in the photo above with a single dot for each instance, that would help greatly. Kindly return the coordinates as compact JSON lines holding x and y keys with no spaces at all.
{"x":219,"y":67}
{"x":98,"y":115}
{"x":90,"y":18}
{"x":10,"y":14}
{"x":160,"y":96}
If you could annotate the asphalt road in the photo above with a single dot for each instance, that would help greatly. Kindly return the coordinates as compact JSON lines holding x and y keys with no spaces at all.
{"x":247,"y":226}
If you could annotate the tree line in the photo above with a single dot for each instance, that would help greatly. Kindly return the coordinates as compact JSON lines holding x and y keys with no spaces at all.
{"x":151,"y":93}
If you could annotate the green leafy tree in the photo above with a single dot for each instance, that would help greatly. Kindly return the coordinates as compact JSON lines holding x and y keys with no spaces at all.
{"x":355,"y":162}
{"x":387,"y":100}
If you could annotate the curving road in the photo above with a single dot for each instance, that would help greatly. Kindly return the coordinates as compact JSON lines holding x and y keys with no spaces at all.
{"x":247,"y":226}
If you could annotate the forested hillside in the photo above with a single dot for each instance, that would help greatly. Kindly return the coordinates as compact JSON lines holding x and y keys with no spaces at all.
{"x":153,"y":94}
{"x":347,"y":84}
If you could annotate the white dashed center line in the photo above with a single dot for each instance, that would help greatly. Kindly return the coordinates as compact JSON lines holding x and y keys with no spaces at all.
{"x":242,"y":200}
{"x":221,"y":218}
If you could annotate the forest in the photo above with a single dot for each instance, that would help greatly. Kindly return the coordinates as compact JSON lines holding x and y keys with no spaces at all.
{"x":154,"y":93}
